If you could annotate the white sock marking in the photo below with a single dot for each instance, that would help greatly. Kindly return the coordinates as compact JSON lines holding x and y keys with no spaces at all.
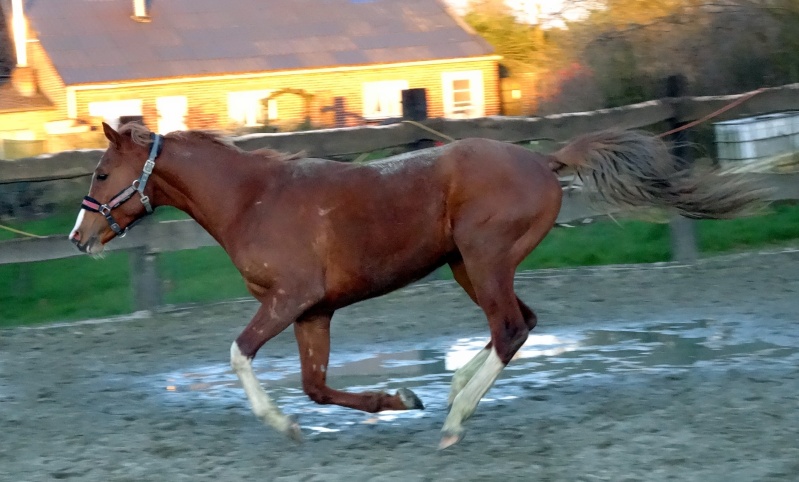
{"x":465,"y":373}
{"x":466,"y":402}
{"x":262,"y":406}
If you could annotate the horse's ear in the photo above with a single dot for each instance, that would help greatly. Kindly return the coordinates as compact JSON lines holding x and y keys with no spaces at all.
{"x":113,"y":136}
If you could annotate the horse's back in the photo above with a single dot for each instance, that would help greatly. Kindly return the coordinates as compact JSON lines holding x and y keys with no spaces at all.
{"x":381,"y":225}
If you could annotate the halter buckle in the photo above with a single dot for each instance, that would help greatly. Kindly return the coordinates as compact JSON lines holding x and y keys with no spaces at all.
{"x":149,"y":165}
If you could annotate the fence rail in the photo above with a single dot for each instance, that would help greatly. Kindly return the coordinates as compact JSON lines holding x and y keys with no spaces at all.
{"x":147,"y":241}
{"x":357,"y":140}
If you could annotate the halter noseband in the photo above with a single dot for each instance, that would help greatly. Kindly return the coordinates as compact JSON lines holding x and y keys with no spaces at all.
{"x":137,"y":186}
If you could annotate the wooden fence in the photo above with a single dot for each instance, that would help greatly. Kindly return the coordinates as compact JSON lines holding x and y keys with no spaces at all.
{"x":147,"y":241}
{"x":351,"y":141}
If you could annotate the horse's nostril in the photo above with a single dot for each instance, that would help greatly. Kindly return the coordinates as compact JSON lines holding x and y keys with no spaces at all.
{"x":75,"y":237}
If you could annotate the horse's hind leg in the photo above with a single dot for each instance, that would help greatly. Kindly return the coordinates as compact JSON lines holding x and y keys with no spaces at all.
{"x":465,"y":373}
{"x":313,"y":340}
{"x":508,"y":333}
{"x":491,"y":251}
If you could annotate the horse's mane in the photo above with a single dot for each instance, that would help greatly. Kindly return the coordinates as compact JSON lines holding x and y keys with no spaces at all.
{"x":140,"y":135}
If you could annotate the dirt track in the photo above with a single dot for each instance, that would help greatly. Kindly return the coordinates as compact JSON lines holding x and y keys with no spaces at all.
{"x":677,"y":373}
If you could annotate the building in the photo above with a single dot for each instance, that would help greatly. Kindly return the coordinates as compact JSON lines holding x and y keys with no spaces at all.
{"x":232,"y":64}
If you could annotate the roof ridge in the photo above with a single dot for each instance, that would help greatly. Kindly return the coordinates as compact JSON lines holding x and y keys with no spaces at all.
{"x":190,"y":38}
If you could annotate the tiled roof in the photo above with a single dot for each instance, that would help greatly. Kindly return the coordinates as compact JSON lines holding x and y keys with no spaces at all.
{"x":91,"y":41}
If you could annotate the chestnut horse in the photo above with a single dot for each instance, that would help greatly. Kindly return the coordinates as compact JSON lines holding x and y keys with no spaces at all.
{"x":311,"y":236}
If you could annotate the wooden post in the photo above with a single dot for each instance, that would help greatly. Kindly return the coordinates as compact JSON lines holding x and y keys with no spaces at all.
{"x":414,"y":108}
{"x":683,"y":240}
{"x":684,"y":245}
{"x":144,"y":279}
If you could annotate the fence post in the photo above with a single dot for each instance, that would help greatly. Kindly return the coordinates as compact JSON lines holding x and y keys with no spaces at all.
{"x":144,"y":279}
{"x":684,"y":245}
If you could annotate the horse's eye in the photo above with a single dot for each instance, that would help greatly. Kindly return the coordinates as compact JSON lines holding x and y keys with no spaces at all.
{"x":102,"y":177}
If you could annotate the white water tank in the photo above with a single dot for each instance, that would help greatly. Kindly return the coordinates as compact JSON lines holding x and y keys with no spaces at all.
{"x":757,"y":143}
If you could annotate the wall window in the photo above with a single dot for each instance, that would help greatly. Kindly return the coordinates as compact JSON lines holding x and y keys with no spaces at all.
{"x":463,"y":94}
{"x":247,"y":108}
{"x":383,"y":100}
{"x":112,"y":110}
{"x":172,"y":112}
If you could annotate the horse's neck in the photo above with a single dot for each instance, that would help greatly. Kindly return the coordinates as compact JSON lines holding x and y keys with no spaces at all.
{"x":205,"y":182}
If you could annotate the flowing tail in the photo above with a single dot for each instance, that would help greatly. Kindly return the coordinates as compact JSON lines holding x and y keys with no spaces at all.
{"x":630,"y":169}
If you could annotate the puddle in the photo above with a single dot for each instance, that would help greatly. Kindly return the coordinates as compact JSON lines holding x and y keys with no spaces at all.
{"x":614,"y":354}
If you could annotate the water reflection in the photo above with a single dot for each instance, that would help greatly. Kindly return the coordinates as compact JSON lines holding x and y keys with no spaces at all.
{"x":537,"y":345}
{"x":574,"y":355}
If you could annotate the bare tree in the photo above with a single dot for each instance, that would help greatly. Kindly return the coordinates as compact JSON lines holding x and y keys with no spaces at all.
{"x":629,"y":46}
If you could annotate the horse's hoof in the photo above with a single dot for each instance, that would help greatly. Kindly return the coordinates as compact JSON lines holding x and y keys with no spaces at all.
{"x":448,"y":439}
{"x":410,"y":400}
{"x":293,"y":430}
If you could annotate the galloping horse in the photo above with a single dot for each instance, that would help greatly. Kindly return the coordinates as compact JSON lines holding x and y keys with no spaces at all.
{"x":311,"y":236}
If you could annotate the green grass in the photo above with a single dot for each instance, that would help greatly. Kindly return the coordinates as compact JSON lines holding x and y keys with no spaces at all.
{"x":640,"y":242}
{"x":64,"y":289}
{"x":602,"y":243}
{"x":205,"y":274}
{"x":59,"y":223}
{"x":779,"y":227}
{"x":63,"y":220}
{"x":82,"y":287}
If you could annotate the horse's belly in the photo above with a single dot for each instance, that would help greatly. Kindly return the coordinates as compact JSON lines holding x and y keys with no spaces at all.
{"x":375,"y":274}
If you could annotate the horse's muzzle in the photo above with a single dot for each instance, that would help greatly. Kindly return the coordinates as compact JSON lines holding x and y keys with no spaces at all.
{"x":76,"y":241}
{"x":89,"y":247}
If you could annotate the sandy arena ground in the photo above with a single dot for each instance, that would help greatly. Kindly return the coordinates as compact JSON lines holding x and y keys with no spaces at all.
{"x":646,"y":373}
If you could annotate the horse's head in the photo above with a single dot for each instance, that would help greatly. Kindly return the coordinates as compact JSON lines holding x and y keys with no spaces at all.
{"x":120,"y":176}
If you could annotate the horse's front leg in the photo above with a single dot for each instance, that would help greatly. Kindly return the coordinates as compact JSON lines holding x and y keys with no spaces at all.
{"x":274,"y":316}
{"x":313,"y":340}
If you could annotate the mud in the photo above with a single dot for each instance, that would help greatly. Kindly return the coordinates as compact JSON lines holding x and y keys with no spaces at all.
{"x":663,"y":372}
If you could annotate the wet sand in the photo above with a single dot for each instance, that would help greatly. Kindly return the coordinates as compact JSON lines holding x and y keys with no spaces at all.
{"x":652,"y":373}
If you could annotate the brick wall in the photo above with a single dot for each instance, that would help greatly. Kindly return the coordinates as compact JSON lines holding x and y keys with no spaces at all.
{"x":32,"y":120}
{"x":208,"y":101}
{"x":50,"y":83}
